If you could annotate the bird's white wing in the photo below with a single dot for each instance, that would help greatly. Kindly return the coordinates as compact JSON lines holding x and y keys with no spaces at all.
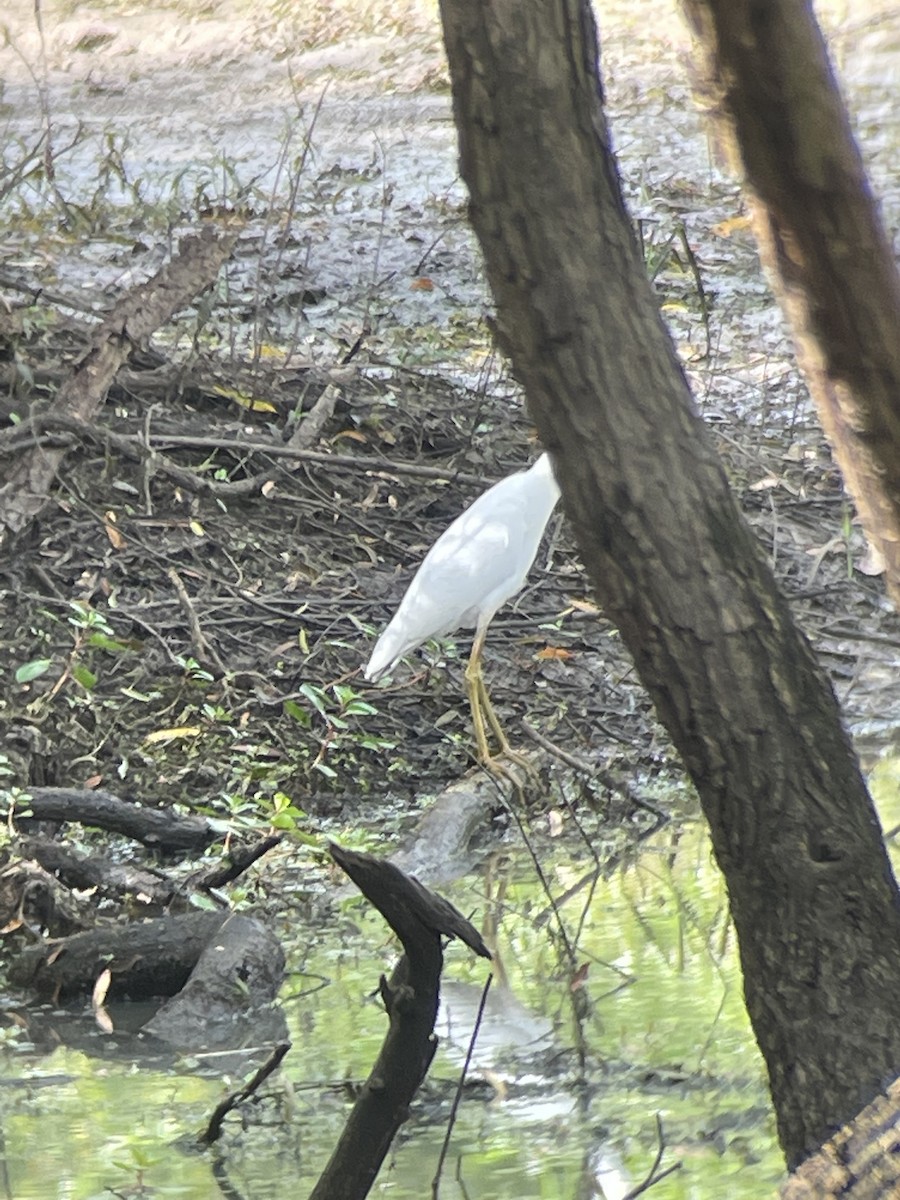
{"x":474,"y":566}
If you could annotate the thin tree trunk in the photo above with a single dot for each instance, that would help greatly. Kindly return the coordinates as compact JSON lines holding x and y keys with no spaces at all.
{"x":814,"y":901}
{"x":820,"y":237}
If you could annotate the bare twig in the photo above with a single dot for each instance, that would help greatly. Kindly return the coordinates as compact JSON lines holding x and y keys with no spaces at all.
{"x":454,"y":1108}
{"x":654,"y":1175}
{"x":202,"y":648}
{"x":214,"y":1127}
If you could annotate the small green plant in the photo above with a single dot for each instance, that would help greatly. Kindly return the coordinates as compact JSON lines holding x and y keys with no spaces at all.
{"x":335,"y":711}
{"x":92,"y":632}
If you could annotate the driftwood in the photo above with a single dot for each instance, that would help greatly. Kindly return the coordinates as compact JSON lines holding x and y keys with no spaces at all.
{"x":420,"y":919}
{"x":444,"y":844}
{"x":240,"y":859}
{"x":145,"y":958}
{"x":213,"y":1130}
{"x":234,"y":982}
{"x":155,"y":827}
{"x":142,"y":311}
{"x":861,"y":1162}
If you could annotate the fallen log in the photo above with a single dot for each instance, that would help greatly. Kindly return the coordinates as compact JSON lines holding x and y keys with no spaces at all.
{"x":230,"y":992}
{"x":156,"y":827}
{"x":145,"y":958}
{"x":98,"y":874}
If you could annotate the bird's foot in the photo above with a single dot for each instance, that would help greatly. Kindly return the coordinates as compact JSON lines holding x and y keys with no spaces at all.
{"x":509,"y":764}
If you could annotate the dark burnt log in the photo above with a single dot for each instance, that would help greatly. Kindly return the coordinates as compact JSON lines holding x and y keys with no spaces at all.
{"x":420,"y":918}
{"x":96,"y":873}
{"x":145,"y":958}
{"x":230,"y":992}
{"x":155,"y":827}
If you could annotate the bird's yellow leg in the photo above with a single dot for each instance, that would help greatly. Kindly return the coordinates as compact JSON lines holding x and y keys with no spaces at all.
{"x":493,"y":720}
{"x":475,"y":692}
{"x":481,"y":706}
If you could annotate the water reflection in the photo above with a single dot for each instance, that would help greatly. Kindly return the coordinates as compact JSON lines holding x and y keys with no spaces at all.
{"x":659,"y":1021}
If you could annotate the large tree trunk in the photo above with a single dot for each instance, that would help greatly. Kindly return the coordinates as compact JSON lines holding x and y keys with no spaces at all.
{"x":820,"y":237}
{"x":755,"y":720}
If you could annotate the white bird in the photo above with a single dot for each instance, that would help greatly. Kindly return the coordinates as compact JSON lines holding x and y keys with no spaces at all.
{"x":470,"y":572}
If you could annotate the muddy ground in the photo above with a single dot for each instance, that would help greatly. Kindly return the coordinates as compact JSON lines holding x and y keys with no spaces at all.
{"x":206,"y":650}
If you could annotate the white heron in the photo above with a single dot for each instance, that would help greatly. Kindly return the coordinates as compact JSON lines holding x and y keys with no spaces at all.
{"x":474,"y":567}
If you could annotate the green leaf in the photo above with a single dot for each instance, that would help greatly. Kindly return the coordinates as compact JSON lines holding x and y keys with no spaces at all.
{"x":103,"y":642}
{"x":31,"y":670}
{"x":315,"y":696}
{"x":82,"y":675}
{"x":293,"y":709}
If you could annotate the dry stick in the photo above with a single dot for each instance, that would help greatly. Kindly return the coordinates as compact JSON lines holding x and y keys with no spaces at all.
{"x":14,"y":439}
{"x":214,"y":1128}
{"x":308,"y":430}
{"x":610,"y":783}
{"x":651,"y":1177}
{"x":202,"y":648}
{"x":131,"y":323}
{"x":569,"y":946}
{"x":454,"y":1108}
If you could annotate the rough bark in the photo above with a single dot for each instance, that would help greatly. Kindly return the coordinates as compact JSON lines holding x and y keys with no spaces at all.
{"x":420,"y":918}
{"x":862,"y":1162}
{"x":99,"y":874}
{"x":814,"y":901}
{"x":230,"y":992}
{"x":161,"y":828}
{"x":821,"y":240}
{"x":146,"y":958}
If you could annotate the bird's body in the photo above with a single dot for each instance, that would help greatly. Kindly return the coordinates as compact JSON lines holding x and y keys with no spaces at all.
{"x":473,"y":568}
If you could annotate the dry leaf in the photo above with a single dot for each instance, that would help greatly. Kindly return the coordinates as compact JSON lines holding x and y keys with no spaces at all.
{"x":104,"y":1020}
{"x":872,"y":562}
{"x":767,"y":482}
{"x":93,"y":781}
{"x":173,"y":734}
{"x":101,"y":987}
{"x":555,"y":821}
{"x":116,"y":539}
{"x":422,"y":284}
{"x":584,"y":606}
{"x":731,"y":225}
{"x":555,"y":652}
{"x":579,"y":979}
{"x":250,"y":403}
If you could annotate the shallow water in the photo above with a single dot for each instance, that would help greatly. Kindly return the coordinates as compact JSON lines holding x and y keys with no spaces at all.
{"x":666,"y":1037}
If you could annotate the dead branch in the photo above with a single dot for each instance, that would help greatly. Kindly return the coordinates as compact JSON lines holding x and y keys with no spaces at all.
{"x":233,"y":1099}
{"x":420,"y":919}
{"x":135,"y":318}
{"x":146,"y":958}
